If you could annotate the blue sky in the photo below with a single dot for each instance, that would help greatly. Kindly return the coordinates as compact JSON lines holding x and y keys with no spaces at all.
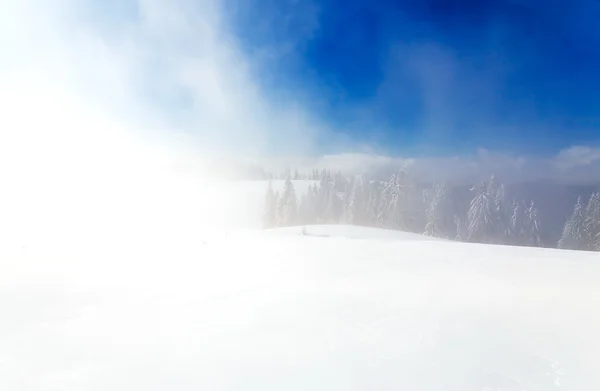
{"x":434,"y":76}
{"x":463,"y":87}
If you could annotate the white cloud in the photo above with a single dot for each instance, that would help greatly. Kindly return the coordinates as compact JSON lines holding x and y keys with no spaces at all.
{"x":577,"y":156}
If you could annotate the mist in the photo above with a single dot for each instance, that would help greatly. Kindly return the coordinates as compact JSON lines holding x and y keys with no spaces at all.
{"x":117,"y":121}
{"x":120,"y":118}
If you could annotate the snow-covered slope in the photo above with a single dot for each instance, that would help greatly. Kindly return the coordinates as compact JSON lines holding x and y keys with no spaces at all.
{"x":349,"y":232}
{"x":266,"y":311}
{"x":160,"y":293}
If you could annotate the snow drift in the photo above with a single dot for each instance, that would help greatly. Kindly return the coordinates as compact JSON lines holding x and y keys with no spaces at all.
{"x":280,"y":310}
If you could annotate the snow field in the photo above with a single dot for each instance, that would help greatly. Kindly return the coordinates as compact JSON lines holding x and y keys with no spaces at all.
{"x":340,"y":308}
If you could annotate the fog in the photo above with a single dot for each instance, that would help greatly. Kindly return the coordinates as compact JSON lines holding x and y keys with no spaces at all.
{"x":117,"y":118}
{"x":96,"y":143}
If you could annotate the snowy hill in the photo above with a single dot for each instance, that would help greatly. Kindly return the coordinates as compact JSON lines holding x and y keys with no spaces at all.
{"x":283,"y":311}
{"x":182,"y":292}
{"x":349,"y":232}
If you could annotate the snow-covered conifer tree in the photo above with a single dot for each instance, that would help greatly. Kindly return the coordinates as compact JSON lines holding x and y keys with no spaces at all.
{"x":333,"y":209}
{"x":307,"y":210}
{"x":288,"y":207}
{"x":269,"y":212}
{"x":439,"y":220}
{"x":372,"y":195}
{"x":384,"y":207}
{"x":481,"y":214}
{"x":279,"y":207}
{"x":518,"y":229}
{"x":356,"y":203}
{"x":573,"y":233}
{"x":592,"y":222}
{"x":533,"y":229}
{"x":397,"y":203}
{"x":502,"y":216}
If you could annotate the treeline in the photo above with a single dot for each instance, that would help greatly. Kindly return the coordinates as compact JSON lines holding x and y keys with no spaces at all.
{"x":400,"y":203}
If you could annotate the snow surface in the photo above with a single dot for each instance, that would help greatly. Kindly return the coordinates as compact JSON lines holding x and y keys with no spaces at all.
{"x":349,"y":232}
{"x":341,"y":308}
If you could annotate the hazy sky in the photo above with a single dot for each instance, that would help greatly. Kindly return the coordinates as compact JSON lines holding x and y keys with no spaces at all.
{"x":504,"y":84}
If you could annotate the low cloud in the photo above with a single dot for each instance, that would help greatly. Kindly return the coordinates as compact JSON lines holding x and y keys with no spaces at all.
{"x":574,"y":165}
{"x":578,"y":157}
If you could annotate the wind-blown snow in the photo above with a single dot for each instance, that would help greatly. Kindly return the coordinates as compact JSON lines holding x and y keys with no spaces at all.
{"x":340,"y":308}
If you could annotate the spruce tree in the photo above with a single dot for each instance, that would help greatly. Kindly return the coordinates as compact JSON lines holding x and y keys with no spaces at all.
{"x":373,"y":200}
{"x":518,"y":234}
{"x":279,"y":214}
{"x":573,"y":232}
{"x":438,"y":220}
{"x":307,"y":210}
{"x":502,"y":216}
{"x":482,"y":214}
{"x":288,"y":207}
{"x":592,"y":222}
{"x":269,"y":212}
{"x":533,"y":229}
{"x":384,"y":208}
{"x":356,"y":206}
{"x":333,"y":209}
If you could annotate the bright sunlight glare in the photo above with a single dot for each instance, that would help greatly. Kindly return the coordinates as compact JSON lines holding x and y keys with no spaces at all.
{"x":75,"y":175}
